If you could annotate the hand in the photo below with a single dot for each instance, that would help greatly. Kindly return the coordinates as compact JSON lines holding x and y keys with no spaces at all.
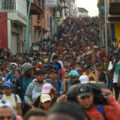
{"x":30,"y":104}
{"x":107,"y":93}
{"x":118,"y":99}
{"x":62,"y":98}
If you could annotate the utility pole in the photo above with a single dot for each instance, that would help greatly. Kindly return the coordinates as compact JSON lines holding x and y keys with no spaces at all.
{"x":27,"y":30}
{"x":42,"y":21}
{"x":56,"y":21}
{"x":100,"y":23}
{"x":106,"y":35}
{"x":69,"y":7}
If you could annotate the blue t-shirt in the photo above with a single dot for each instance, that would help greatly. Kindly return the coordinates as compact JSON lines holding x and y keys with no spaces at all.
{"x":57,"y":86}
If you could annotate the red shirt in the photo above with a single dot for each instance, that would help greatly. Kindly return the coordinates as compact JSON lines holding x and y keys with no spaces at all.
{"x":112,"y":111}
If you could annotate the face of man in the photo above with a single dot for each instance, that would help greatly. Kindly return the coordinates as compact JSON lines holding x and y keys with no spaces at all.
{"x":6,"y":114}
{"x":40,"y":77}
{"x":37,"y":118}
{"x":106,"y":60}
{"x":7,"y":90}
{"x":98,"y":68}
{"x":53,"y":76}
{"x":86,"y":101}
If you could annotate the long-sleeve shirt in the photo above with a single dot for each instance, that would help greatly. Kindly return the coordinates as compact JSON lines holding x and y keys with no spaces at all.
{"x":112,"y":111}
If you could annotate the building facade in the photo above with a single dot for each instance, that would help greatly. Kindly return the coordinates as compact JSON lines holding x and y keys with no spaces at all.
{"x":13,"y":21}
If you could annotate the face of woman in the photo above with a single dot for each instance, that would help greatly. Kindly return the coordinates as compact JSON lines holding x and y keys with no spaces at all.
{"x":47,"y":105}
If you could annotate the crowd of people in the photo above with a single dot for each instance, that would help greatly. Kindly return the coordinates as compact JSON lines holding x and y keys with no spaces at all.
{"x":68,"y":79}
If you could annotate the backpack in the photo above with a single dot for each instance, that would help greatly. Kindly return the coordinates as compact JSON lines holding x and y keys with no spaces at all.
{"x":15,"y":97}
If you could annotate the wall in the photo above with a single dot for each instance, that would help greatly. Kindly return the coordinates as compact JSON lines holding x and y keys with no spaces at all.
{"x":3,"y":30}
{"x":21,"y":6}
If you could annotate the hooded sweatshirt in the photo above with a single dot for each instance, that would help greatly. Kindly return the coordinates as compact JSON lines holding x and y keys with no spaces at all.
{"x":33,"y":91}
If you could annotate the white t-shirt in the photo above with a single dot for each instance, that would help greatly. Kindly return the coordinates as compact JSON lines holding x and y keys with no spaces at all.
{"x":61,"y":63}
{"x":115,"y":76}
{"x":13,"y":101}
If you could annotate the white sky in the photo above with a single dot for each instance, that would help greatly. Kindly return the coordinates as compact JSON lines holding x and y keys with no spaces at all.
{"x":90,"y":5}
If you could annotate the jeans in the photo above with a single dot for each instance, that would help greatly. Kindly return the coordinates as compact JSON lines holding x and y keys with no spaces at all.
{"x":110,"y":84}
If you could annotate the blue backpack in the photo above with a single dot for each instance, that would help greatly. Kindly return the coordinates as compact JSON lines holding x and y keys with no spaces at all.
{"x":100,"y":109}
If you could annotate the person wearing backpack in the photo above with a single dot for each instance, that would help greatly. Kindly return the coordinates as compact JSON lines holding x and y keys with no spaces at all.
{"x":85,"y":98}
{"x":13,"y":98}
{"x":22,"y":83}
{"x":35,"y":87}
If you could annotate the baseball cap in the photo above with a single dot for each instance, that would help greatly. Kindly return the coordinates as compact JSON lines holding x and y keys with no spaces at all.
{"x":7,"y":84}
{"x":53,"y":71}
{"x":44,"y":98}
{"x":46,"y":88}
{"x":73,"y":73}
{"x":5,"y":103}
{"x":55,"y":57}
{"x":13,"y":65}
{"x":98,"y":64}
{"x":39,"y":72}
{"x":84,"y":79}
{"x":84,"y":90}
{"x":26,"y":67}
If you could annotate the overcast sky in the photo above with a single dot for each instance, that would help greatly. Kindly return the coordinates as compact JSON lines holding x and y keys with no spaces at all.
{"x":90,"y":5}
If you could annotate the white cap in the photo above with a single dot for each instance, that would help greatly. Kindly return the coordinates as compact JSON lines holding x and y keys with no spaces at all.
{"x":44,"y":98}
{"x":84,"y":79}
{"x":5,"y":103}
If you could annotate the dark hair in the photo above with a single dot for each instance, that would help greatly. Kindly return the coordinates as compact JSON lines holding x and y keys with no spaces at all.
{"x":35,"y":112}
{"x":65,"y":108}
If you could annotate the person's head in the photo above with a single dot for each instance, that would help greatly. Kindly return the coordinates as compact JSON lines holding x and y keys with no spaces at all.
{"x":40,"y":75}
{"x":35,"y":114}
{"x":61,"y":57}
{"x":55,"y":58}
{"x":85,"y":97}
{"x":98,"y":66}
{"x":77,"y":65}
{"x":7,"y":88}
{"x":48,"y":89}
{"x":106,"y":59}
{"x":27,"y":70}
{"x":6,"y":111}
{"x":103,"y":49}
{"x":66,"y":75}
{"x":84,"y":79}
{"x":1,"y":75}
{"x":45,"y":100}
{"x":53,"y":74}
{"x":66,"y":111}
{"x":94,"y":59}
{"x":13,"y":67}
{"x":74,"y":75}
{"x":65,"y":64}
{"x":87,"y":69}
{"x":79,"y":70}
{"x":17,"y":74}
{"x":4,"y":73}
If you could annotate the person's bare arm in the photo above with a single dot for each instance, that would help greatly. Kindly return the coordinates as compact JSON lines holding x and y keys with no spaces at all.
{"x":19,"y":109}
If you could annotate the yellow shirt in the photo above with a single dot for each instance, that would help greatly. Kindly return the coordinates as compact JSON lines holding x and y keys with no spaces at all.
{"x":91,"y":75}
{"x":13,"y":101}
